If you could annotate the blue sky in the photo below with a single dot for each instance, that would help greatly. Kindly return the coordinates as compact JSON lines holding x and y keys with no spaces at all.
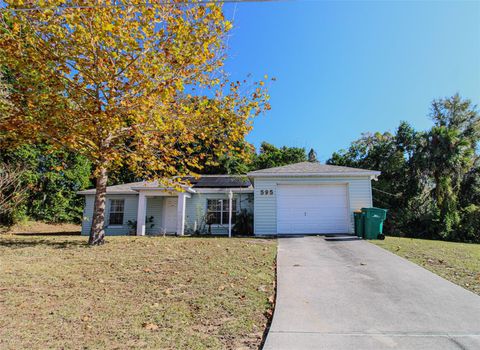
{"x":344,"y":68}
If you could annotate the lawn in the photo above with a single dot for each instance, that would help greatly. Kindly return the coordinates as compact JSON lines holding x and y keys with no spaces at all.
{"x":457,"y":262}
{"x":38,"y":227}
{"x":135,"y":292}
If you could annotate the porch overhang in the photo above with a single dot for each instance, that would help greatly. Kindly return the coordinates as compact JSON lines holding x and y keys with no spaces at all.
{"x":225,"y":190}
{"x":162,"y":191}
{"x":145,"y":192}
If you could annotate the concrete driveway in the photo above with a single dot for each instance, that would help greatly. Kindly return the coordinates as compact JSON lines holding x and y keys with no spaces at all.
{"x":344,"y":293}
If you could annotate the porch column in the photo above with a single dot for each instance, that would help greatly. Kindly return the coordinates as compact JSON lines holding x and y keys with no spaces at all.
{"x":230,"y":197}
{"x":141,"y":213}
{"x":182,"y":199}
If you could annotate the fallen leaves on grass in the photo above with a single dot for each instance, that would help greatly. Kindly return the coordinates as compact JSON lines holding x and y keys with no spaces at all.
{"x":457,"y":262}
{"x":150,"y":326}
{"x":262,"y":288}
{"x":167,"y":287}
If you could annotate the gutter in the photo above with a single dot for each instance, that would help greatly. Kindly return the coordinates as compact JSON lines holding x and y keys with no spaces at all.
{"x":352,"y":174}
{"x":92,"y":192}
{"x":224,"y":190}
{"x":166,"y":189}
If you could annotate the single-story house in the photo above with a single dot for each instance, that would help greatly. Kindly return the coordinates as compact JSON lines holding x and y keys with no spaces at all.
{"x":301,"y":198}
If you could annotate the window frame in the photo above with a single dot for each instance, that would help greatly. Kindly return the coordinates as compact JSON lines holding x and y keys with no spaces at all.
{"x":110,"y":212}
{"x":222,"y":210}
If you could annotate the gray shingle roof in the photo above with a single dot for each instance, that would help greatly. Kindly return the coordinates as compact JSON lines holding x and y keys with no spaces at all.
{"x":220,"y":181}
{"x":118,"y":189}
{"x":205,"y":181}
{"x":312,"y":168}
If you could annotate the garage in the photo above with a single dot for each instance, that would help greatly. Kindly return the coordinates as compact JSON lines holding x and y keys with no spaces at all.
{"x":310,"y":209}
{"x":309,"y":198}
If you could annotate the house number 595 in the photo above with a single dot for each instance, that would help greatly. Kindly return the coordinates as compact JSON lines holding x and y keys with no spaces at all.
{"x":266,"y":192}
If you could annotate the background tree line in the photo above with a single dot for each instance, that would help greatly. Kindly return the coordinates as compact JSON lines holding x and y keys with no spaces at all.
{"x":47,"y":180}
{"x":430,"y":180}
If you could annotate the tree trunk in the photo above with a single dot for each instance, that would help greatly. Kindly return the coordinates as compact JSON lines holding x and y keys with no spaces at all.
{"x":97,"y":231}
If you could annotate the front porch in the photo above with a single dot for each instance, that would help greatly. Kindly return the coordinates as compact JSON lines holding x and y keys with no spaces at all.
{"x":168,"y":213}
{"x":146,"y":208}
{"x":162,"y":211}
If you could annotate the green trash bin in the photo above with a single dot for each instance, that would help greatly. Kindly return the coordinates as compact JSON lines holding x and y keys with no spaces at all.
{"x":374,"y":218}
{"x":359,"y":218}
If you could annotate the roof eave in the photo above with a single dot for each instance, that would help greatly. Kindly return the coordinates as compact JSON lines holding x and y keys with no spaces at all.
{"x":88,"y":192}
{"x":300,"y":174}
{"x":249,"y":189}
{"x":166,"y":189}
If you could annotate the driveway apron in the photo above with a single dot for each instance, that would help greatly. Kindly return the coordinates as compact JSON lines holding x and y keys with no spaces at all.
{"x":344,"y":293}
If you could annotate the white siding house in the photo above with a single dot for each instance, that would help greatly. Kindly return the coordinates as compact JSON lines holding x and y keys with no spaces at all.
{"x":197,"y":208}
{"x":301,"y":198}
{"x":130,"y":213}
{"x":311,"y":197}
{"x":202,"y":208}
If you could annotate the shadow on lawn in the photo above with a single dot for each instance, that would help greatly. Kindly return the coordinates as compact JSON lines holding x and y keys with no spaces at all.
{"x":56,"y":243}
{"x":48,"y":234}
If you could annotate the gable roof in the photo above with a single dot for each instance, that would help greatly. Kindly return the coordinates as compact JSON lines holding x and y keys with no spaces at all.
{"x":312,"y":169}
{"x":117,"y":189}
{"x":205,"y":181}
{"x":219,"y":181}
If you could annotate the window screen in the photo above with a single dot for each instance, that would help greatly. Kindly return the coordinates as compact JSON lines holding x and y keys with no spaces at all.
{"x":116,"y":211}
{"x":217,"y":211}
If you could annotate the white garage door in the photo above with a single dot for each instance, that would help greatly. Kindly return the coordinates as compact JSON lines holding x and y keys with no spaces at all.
{"x":312,"y":209}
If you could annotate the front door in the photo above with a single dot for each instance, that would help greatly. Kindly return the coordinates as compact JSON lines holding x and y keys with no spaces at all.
{"x":170,"y":214}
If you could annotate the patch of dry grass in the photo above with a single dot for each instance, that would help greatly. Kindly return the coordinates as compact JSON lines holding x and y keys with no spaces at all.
{"x":456,"y":262}
{"x":134,"y":292}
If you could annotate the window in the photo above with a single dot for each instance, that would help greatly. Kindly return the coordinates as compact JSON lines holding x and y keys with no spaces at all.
{"x":116,"y":211}
{"x":217,"y":211}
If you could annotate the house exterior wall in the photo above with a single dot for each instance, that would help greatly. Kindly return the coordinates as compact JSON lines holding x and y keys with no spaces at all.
{"x":195,"y":211}
{"x":265,"y":206}
{"x":130,"y":213}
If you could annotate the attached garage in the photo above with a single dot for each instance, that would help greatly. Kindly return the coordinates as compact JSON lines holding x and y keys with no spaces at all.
{"x":310,"y":209}
{"x":309,"y":198}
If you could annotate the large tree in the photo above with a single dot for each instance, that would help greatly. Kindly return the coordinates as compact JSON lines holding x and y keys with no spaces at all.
{"x":125,"y":84}
{"x":270,"y":156}
{"x":50,"y":180}
{"x":451,"y":150}
{"x":238,"y":161}
{"x":429,"y":179}
{"x":6,"y":104}
{"x":12,"y":191}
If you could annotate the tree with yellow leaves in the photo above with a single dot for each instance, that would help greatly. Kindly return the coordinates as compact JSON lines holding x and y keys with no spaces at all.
{"x":124,"y":83}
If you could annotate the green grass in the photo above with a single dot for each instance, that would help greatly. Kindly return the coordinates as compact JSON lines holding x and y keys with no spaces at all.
{"x":135,"y":292}
{"x":456,"y":262}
